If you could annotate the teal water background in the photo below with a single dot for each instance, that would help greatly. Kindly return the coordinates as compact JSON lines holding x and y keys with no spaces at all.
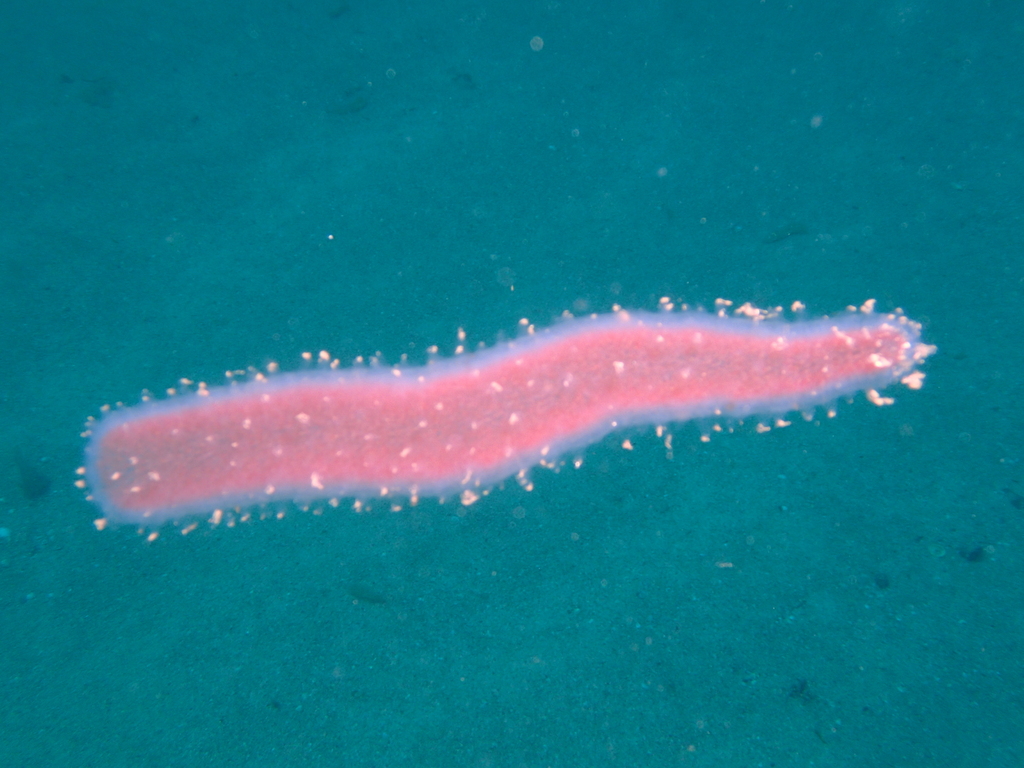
{"x":192,"y":187}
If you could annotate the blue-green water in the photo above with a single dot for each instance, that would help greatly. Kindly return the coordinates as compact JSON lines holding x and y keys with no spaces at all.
{"x":189,"y":188}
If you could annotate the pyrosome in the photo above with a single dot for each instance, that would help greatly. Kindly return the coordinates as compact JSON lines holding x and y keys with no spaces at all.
{"x":457,"y":426}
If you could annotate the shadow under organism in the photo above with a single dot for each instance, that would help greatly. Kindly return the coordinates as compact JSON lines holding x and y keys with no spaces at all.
{"x":365,"y":594}
{"x":32,"y":481}
{"x":788,"y":230}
